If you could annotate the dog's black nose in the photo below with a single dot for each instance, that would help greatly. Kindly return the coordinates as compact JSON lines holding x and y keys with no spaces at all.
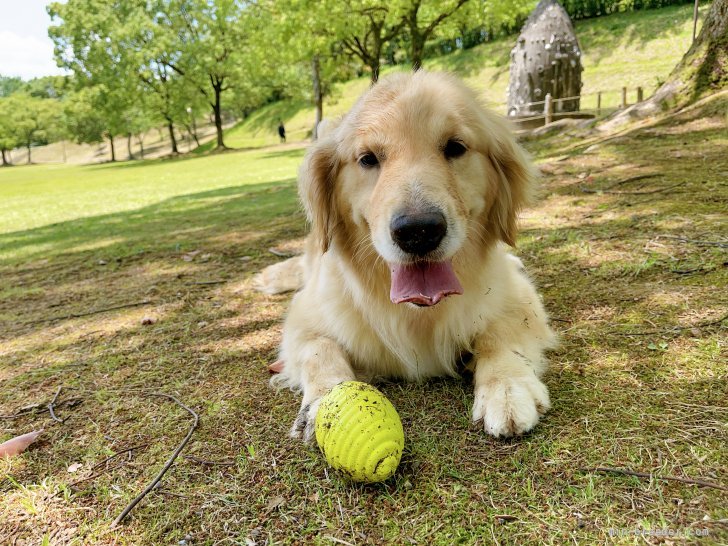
{"x":418,"y":233}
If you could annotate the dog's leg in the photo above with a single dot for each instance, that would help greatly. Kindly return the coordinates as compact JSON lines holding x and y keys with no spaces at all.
{"x":281,"y":277}
{"x":509,"y":395}
{"x":323,"y":364}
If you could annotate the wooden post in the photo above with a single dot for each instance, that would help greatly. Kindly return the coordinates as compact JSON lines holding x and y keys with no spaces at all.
{"x":639,"y":94}
{"x":624,"y":98}
{"x":599,"y":103}
{"x":548,"y":109}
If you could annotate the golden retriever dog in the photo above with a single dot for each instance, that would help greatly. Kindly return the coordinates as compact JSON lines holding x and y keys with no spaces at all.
{"x":412,"y":198}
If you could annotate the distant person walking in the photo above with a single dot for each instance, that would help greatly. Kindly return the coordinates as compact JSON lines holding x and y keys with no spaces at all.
{"x":281,"y":131}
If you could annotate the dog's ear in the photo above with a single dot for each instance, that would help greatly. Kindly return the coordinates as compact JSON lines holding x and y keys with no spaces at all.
{"x":316,"y":180}
{"x":516,"y":177}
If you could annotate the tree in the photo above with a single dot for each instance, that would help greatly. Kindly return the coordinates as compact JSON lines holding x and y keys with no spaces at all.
{"x":700,"y":72}
{"x":9,"y":85}
{"x":86,"y":41}
{"x":312,"y":33}
{"x":85,"y":120}
{"x":48,"y":87}
{"x":9,"y":138}
{"x":422,"y":18}
{"x":704,"y":68}
{"x":211,"y":49}
{"x":374,"y":25}
{"x":32,"y":119}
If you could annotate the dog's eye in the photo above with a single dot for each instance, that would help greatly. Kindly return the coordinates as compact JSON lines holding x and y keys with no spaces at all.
{"x":454,"y":148}
{"x":368,"y":160}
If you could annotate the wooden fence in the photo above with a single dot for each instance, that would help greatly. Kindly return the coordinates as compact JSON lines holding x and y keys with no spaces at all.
{"x":599,"y":102}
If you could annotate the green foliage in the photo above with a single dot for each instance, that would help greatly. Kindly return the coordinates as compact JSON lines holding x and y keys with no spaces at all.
{"x":27,"y":120}
{"x":9,"y":136}
{"x":84,"y":115}
{"x":582,"y":9}
{"x":9,"y":85}
{"x":49,"y":87}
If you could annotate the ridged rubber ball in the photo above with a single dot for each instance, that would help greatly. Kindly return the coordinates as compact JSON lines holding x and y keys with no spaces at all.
{"x":359,"y":432}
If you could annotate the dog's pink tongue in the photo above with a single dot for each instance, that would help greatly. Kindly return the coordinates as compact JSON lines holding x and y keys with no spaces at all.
{"x":423,"y":283}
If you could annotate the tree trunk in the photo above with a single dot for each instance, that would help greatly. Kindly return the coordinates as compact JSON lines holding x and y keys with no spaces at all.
{"x":28,"y":146}
{"x":141,"y":146}
{"x":128,"y":146}
{"x":318,"y":97}
{"x":217,"y":110}
{"x":113,"y":150}
{"x":194,"y":131}
{"x":702,"y":70}
{"x":6,"y":163}
{"x":418,"y":50}
{"x":375,"y":59}
{"x":173,"y":140}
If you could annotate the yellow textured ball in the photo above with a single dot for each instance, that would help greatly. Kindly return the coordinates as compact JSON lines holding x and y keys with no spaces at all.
{"x":359,"y":432}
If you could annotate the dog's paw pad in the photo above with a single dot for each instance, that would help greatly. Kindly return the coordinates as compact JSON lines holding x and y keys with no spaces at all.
{"x":510,"y":406}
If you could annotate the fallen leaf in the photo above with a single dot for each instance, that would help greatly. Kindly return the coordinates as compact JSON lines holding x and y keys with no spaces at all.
{"x":146,"y":321}
{"x":274,"y":503}
{"x":17,"y":445}
{"x":74,"y":467}
{"x":276,"y":367}
{"x":190,"y":255}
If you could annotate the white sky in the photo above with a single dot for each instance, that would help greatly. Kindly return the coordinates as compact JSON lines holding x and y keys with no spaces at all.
{"x":25,"y":48}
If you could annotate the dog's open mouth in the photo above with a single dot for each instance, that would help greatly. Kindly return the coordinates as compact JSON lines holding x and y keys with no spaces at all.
{"x":423,"y":283}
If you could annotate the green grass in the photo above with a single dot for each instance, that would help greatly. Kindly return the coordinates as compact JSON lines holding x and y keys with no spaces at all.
{"x":632,"y":281}
{"x":625,"y":49}
{"x":35,"y":196}
{"x":638,"y":382}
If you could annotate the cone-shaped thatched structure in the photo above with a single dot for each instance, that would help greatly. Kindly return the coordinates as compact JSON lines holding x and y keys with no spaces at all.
{"x":545,"y":59}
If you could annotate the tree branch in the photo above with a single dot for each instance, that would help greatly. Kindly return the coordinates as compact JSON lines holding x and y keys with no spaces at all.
{"x":170,"y":461}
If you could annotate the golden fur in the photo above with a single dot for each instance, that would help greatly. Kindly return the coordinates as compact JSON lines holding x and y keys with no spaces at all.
{"x":342,"y":324}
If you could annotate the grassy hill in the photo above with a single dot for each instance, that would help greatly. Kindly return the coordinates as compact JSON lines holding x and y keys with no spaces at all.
{"x":626,"y":49}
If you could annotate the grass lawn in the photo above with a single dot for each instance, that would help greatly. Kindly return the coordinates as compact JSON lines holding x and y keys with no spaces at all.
{"x":632,"y":271}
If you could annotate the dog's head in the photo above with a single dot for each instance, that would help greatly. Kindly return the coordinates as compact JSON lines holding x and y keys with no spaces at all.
{"x":417,"y":171}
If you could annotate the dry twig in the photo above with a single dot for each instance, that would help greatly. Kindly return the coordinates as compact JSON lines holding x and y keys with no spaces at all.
{"x":280,"y":253}
{"x":626,"y":472}
{"x":673,"y":329}
{"x":209,"y":463}
{"x":617,"y":192}
{"x":38,"y":408}
{"x":52,"y":405}
{"x":720,"y":244}
{"x":106,"y":460}
{"x":127,"y":450}
{"x":168,"y":464}
{"x":86,"y":314}
{"x":632,"y":179}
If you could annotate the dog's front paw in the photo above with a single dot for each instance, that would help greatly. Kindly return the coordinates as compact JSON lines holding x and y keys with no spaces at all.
{"x":509,"y":406}
{"x":304,"y":427}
